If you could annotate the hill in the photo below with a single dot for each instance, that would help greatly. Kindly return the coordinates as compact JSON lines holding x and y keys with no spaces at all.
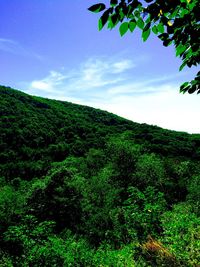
{"x":84,"y":187}
{"x":38,"y":131}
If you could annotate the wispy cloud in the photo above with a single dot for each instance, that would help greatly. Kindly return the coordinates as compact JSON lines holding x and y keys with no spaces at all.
{"x":149,"y":86}
{"x":93,"y":75}
{"x":111,"y":84}
{"x":11,"y":46}
{"x":102,"y":72}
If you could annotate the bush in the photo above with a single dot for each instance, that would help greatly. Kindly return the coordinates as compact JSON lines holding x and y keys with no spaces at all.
{"x":142,"y":211}
{"x":182,"y":234}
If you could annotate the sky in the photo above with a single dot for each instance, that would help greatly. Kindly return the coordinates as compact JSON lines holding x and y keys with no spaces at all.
{"x":53,"y":49}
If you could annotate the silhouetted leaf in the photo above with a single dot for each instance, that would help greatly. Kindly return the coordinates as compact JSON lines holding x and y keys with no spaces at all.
{"x":115,"y":19}
{"x":167,"y":42}
{"x":170,"y":29}
{"x":192,"y":89}
{"x":104,"y":19}
{"x":113,"y":2}
{"x":147,"y":26}
{"x":163,"y":36}
{"x":97,"y":8}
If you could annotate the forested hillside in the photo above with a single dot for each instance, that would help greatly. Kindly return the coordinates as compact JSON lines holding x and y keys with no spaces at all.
{"x":83,"y":187}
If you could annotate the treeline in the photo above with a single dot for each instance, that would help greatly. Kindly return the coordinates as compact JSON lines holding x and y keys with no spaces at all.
{"x":83,"y":187}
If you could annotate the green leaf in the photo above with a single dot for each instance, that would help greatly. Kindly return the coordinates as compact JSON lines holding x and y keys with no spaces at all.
{"x":148,"y":20}
{"x":145,"y":34}
{"x":112,"y":21}
{"x":110,"y":24}
{"x":123,"y":28}
{"x":183,"y":65}
{"x":184,"y":87}
{"x":100,"y":24}
{"x":180,"y":49}
{"x":154,"y":29}
{"x":121,"y":14}
{"x":140,"y":23}
{"x":97,"y":8}
{"x":132,"y":25}
{"x":160,"y":27}
{"x":130,"y":12}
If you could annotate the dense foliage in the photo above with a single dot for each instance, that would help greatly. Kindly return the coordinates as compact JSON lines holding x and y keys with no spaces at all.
{"x":174,"y":22}
{"x":83,"y":187}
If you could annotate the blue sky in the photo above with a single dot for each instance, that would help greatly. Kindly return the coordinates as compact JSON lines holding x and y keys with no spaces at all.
{"x":53,"y":49}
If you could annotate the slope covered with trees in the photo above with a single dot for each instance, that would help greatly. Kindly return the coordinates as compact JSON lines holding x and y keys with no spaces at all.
{"x":83,"y":187}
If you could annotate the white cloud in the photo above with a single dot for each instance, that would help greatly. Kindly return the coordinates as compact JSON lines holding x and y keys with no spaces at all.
{"x":49,"y":83}
{"x":111,"y":85}
{"x":41,"y":85}
{"x":91,"y":75}
{"x":121,"y":66}
{"x":101,"y":72}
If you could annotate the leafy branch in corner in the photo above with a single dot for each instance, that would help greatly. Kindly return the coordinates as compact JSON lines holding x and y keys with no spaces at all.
{"x":174,"y":22}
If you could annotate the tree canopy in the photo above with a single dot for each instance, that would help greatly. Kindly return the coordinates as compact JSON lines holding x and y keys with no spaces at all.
{"x":175,"y":22}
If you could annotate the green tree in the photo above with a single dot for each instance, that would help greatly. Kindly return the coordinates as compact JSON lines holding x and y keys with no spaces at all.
{"x":60,"y":190}
{"x":174,"y":22}
{"x":99,"y":204}
{"x":149,"y":171}
{"x":124,"y":155}
{"x":11,"y":205}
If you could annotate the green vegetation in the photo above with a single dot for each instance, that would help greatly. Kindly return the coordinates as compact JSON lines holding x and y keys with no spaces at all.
{"x":83,"y":187}
{"x":174,"y":22}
